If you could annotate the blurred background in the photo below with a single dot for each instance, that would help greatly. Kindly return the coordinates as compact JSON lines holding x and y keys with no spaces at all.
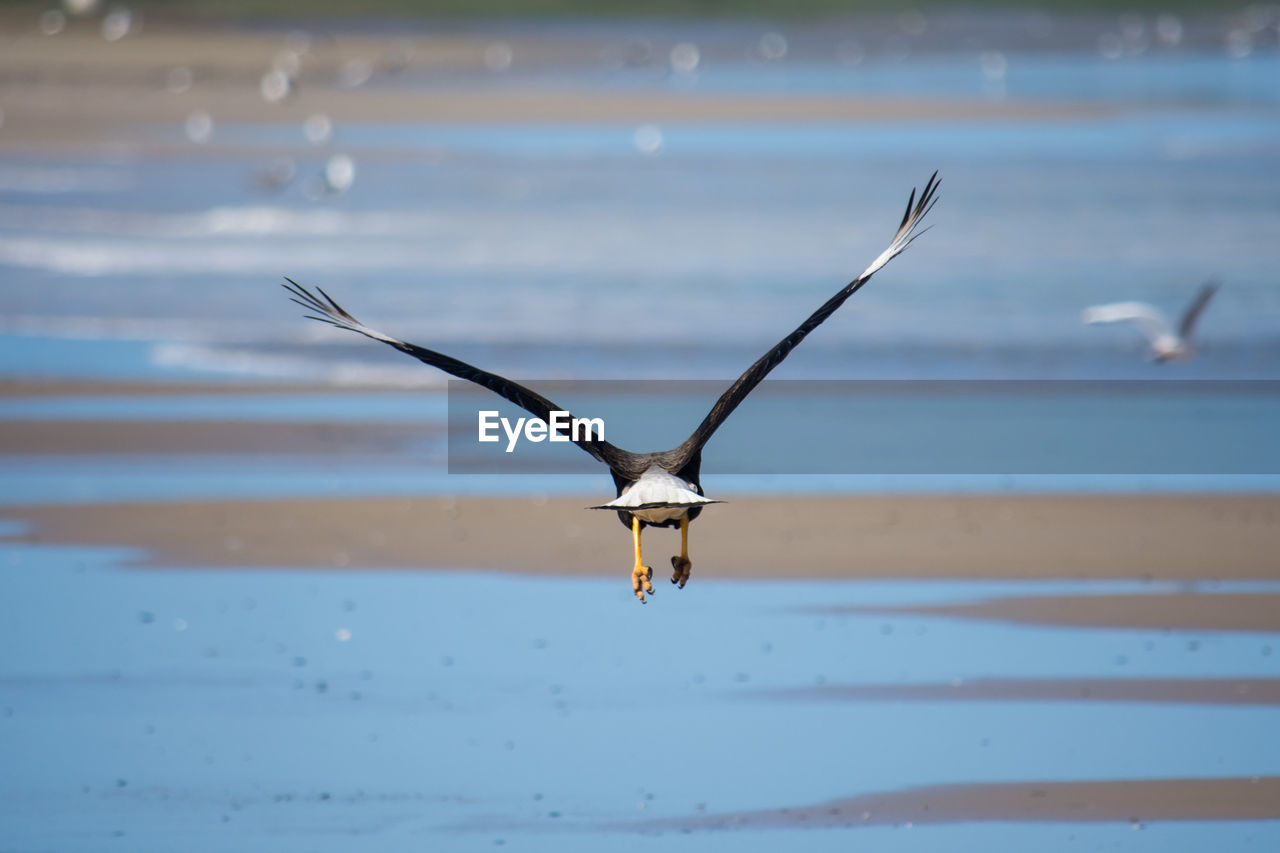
{"x":582,"y":191}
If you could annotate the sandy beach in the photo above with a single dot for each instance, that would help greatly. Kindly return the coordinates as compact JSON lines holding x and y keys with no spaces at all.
{"x":1132,"y":537}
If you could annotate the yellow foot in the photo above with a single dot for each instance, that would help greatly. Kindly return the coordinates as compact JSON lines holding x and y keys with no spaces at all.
{"x":640,"y":577}
{"x":681,"y":567}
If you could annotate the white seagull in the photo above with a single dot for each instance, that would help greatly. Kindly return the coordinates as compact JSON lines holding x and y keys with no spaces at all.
{"x":1166,"y":344}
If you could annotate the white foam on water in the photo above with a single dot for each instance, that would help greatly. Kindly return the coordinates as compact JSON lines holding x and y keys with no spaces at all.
{"x":124,"y":257}
{"x":582,"y":238}
{"x":124,"y":328}
{"x":247,"y":220}
{"x":244,"y":362}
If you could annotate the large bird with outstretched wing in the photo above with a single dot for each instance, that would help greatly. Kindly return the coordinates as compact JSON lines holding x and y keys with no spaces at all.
{"x":660,"y":489}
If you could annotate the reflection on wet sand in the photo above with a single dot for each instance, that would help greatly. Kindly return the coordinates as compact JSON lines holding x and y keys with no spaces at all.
{"x":1215,"y":691}
{"x":1134,"y":801}
{"x":1182,"y":611}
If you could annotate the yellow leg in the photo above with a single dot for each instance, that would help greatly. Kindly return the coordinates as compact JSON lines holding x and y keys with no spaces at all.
{"x":641,"y":574}
{"x":681,"y":566}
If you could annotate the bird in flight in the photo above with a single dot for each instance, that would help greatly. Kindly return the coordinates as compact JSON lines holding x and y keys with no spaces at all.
{"x":1166,"y":344}
{"x":660,"y":489}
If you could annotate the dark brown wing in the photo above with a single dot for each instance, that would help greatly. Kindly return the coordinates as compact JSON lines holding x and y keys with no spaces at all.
{"x":738,"y":391}
{"x":1195,"y":309}
{"x":328,"y":311}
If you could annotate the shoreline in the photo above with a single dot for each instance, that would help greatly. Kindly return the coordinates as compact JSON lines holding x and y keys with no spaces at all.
{"x":1070,"y":537}
{"x":1189,"y":540}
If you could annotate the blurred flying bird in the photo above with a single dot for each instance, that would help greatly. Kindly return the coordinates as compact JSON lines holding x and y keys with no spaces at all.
{"x":275,"y":175}
{"x":1166,"y":344}
{"x":653,"y":489}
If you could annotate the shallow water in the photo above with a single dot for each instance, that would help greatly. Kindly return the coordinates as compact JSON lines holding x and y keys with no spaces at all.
{"x":828,"y":437}
{"x":454,"y":710}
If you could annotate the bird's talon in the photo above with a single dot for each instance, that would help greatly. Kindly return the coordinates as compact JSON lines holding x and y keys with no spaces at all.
{"x":681,"y":566}
{"x":640,"y":581}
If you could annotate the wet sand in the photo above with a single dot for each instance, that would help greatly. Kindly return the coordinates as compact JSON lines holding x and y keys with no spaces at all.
{"x":1017,"y":537}
{"x":1198,"y":691}
{"x":1196,"y":610}
{"x":1134,"y":801}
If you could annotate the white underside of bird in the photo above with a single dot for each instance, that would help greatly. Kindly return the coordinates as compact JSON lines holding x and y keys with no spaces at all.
{"x":658,"y":496}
